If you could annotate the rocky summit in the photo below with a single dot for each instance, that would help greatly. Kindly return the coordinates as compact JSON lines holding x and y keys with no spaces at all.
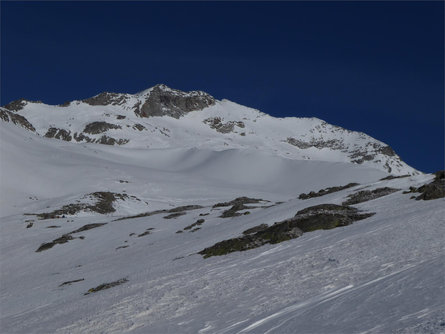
{"x":162,"y":117}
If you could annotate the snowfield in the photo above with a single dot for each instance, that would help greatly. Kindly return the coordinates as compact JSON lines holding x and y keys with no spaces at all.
{"x":382,"y":274}
{"x":220,"y":126}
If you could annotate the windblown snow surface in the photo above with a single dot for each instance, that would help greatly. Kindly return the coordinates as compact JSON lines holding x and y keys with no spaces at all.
{"x":383,"y":274}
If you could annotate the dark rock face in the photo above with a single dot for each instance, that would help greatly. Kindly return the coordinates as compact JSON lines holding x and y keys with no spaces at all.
{"x":298,"y":143}
{"x":99,"y":127}
{"x":325,"y":208}
{"x":185,"y":208}
{"x":105,"y":286}
{"x":174,"y":215}
{"x":367,"y":195}
{"x":237,"y":205}
{"x":217,"y":124}
{"x":105,"y":98}
{"x":70,"y":209}
{"x":334,"y":144}
{"x":273,"y":235}
{"x":65,"y":104}
{"x":67,"y":237}
{"x":239,"y":200}
{"x":71,"y":282}
{"x":111,"y":141}
{"x":233,"y":211}
{"x":359,"y":159}
{"x":16,"y":105}
{"x":105,"y":140}
{"x":179,"y":209}
{"x":256,"y":229}
{"x":143,"y":234}
{"x":433,"y":190}
{"x":103,"y":204}
{"x":195,"y":224}
{"x":360,"y":156}
{"x":139,"y":127}
{"x":58,"y":134}
{"x":88,"y":227}
{"x":9,"y":116}
{"x":327,"y":216}
{"x":80,"y":137}
{"x":164,"y":101}
{"x":105,"y":200}
{"x":386,"y":150}
{"x":63,"y":239}
{"x":319,"y":217}
{"x":388,"y":167}
{"x":326,"y":191}
{"x":391,"y":177}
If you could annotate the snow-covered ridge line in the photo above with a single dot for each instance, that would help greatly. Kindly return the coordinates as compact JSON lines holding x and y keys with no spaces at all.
{"x":162,"y":117}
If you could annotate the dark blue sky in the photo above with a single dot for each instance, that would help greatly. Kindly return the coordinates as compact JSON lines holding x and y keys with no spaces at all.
{"x":375,"y":67}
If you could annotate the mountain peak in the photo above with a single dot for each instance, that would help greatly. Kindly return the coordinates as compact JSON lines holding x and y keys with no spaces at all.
{"x":19,"y":104}
{"x":106,"y":98}
{"x":162,"y":100}
{"x":161,"y":117}
{"x":158,"y":87}
{"x":159,"y":100}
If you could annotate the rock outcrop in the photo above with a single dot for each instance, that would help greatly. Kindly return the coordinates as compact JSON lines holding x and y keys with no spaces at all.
{"x":319,"y":217}
{"x":164,"y":101}
{"x":8,"y":116}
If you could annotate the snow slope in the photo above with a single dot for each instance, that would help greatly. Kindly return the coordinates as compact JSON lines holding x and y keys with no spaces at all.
{"x":218,"y":126}
{"x":382,"y":274}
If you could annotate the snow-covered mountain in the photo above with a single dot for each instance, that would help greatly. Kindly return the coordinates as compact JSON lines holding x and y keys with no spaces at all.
{"x":161,"y":117}
{"x":204,"y":216}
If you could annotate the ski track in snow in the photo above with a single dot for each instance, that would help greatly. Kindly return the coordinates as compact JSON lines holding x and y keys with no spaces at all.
{"x":324,"y":298}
